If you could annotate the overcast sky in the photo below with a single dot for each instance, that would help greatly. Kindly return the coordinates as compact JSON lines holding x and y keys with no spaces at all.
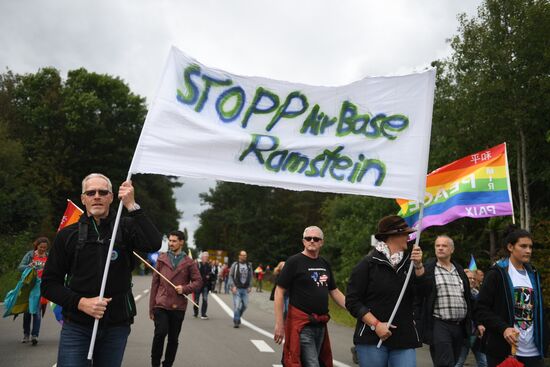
{"x":320,"y":42}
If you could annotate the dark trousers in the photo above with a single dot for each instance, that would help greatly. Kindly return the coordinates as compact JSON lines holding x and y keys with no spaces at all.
{"x":527,"y":361}
{"x":447,"y":343}
{"x":35,"y":323}
{"x":166,"y":323}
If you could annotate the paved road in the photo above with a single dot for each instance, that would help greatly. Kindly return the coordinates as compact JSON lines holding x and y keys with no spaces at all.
{"x":212,"y":342}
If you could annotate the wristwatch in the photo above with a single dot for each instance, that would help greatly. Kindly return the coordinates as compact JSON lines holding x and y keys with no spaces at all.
{"x":373,"y":326}
{"x":134,"y":207}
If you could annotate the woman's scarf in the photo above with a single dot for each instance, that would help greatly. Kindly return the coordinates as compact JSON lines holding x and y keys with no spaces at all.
{"x":395,"y":258}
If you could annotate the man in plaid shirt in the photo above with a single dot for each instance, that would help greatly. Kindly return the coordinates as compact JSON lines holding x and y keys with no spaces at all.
{"x":445,"y":314}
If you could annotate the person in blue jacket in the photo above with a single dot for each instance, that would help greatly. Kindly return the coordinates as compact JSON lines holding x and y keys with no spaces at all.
{"x":510,"y":306}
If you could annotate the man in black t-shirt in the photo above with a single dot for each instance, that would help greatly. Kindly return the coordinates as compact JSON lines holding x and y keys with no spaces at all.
{"x":309,"y":281}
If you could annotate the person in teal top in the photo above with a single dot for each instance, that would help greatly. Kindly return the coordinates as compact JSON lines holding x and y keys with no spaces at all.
{"x":36,"y":259}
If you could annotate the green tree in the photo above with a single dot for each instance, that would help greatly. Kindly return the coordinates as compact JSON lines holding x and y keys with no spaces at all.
{"x":66,"y":129}
{"x":349,"y":222}
{"x":22,"y":205}
{"x":496,"y":88}
{"x":267,"y":222}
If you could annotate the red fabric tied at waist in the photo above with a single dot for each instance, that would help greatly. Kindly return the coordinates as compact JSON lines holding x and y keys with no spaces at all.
{"x":295,"y":322}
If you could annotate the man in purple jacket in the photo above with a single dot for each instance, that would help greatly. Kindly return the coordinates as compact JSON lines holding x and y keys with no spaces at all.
{"x":167,"y":304}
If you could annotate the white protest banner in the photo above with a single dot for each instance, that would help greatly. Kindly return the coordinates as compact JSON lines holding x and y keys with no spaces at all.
{"x":370,"y":137}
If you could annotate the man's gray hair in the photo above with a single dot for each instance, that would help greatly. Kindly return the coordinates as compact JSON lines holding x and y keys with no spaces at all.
{"x":449,"y":239}
{"x":94,"y":175}
{"x":313,"y":227}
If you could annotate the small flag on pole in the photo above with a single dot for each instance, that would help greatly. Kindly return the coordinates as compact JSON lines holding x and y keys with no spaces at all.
{"x":189,"y":253}
{"x":153,"y":257}
{"x":71,"y":215}
{"x":472,"y":266}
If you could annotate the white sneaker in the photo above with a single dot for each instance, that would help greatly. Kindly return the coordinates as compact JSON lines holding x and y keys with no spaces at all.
{"x":25,"y":339}
{"x":204,"y":317}
{"x":34,"y":340}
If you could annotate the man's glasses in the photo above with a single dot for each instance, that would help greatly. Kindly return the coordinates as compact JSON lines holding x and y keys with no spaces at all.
{"x":314,"y":239}
{"x":91,"y":193}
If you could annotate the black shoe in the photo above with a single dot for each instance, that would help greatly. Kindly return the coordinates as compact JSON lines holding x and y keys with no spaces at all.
{"x":196,"y":315}
{"x":235,"y":325}
{"x":34,"y":340}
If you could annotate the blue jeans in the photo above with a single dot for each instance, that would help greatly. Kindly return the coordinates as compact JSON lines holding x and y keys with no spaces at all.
{"x":75,"y":342}
{"x":36,"y":317}
{"x":481,"y":359}
{"x":311,"y":341}
{"x":204,"y":292}
{"x":371,"y":356}
{"x":240,"y":302}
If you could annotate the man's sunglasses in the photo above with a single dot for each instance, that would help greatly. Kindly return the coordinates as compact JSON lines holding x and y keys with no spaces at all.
{"x":92,"y":193}
{"x":314,"y":239}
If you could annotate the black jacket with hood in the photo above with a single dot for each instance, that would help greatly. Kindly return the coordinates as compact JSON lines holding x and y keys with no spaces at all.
{"x":374,"y":286}
{"x":495,"y":310}
{"x":82,"y":260}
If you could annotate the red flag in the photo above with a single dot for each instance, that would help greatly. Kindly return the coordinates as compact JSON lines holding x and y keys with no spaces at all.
{"x":511,"y":361}
{"x":71,"y":215}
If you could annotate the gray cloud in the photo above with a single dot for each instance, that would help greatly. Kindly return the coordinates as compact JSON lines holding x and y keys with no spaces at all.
{"x":320,"y":42}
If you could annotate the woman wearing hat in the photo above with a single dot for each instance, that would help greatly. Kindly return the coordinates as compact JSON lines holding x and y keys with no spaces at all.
{"x":372,"y":293}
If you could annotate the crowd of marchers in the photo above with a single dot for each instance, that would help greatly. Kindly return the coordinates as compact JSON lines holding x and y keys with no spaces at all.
{"x":400,"y":300}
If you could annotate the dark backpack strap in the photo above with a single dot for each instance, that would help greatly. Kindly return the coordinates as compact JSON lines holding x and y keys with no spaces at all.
{"x":130,"y":261}
{"x":82,"y":237}
{"x":82,"y":234}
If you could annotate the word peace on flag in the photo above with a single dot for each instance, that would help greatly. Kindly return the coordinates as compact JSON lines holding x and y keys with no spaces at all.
{"x":368,"y":137}
{"x":475,"y":186}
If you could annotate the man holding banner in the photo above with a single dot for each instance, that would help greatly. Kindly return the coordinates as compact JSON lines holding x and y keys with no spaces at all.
{"x":72,"y":280}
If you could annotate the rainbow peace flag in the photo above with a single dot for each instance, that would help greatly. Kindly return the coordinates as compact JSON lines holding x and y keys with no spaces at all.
{"x":476,"y":186}
{"x":472,"y":265}
{"x":71,"y":215}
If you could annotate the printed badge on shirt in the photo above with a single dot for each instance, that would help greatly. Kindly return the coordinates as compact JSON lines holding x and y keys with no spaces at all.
{"x":319,"y":276}
{"x":523,"y":307}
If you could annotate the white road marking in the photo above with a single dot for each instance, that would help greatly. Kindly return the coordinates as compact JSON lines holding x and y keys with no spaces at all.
{"x":229,"y":311}
{"x":146,"y":291}
{"x":136,"y":298}
{"x":277,"y":365}
{"x":262,"y":346}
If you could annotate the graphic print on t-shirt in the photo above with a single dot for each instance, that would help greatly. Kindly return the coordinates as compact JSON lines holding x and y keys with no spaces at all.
{"x":523,"y":307}
{"x":320,"y":280}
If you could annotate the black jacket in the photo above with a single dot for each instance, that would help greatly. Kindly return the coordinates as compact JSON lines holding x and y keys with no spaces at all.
{"x":83,"y":262}
{"x":235,"y":275}
{"x":495,"y":310}
{"x":206,"y":275}
{"x":425,"y":308}
{"x":374,"y":286}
